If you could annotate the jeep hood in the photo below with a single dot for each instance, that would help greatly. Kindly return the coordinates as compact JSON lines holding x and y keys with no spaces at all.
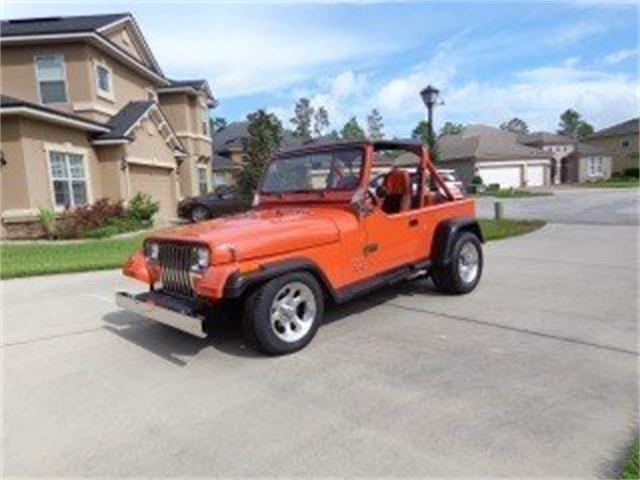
{"x":261,"y":233}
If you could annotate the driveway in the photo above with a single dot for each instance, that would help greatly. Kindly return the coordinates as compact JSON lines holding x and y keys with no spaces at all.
{"x":534,"y":374}
{"x":608,"y":206}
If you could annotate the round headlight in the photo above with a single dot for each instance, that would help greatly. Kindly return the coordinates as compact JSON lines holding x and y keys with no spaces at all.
{"x":152,"y":250}
{"x":203,"y":258}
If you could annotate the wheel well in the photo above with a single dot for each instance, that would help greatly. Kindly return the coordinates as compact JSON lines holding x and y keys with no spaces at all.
{"x":446,"y":233}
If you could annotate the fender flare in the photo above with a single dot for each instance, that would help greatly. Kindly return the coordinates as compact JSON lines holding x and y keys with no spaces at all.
{"x":446,"y":233}
{"x":238,"y":283}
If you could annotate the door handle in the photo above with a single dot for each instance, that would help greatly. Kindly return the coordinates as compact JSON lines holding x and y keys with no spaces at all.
{"x":413,"y":222}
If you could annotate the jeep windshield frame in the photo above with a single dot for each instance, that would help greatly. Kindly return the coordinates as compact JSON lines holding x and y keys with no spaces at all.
{"x":332,"y":173}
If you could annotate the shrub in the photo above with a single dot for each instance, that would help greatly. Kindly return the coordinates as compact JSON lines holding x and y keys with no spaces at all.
{"x":143,"y":207}
{"x":493,"y":187}
{"x":632,"y":172}
{"x":47,"y":218}
{"x":476,"y":180}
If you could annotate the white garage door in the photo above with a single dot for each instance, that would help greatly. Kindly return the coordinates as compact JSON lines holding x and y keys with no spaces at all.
{"x":504,"y":176}
{"x":536,"y":176}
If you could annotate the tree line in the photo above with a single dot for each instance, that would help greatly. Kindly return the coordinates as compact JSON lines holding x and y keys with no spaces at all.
{"x":313,"y":124}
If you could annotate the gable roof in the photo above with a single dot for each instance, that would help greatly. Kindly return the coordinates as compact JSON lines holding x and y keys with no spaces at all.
{"x":545,"y":138}
{"x":482,"y":142}
{"x":629,"y":127}
{"x":83,"y":27}
{"x":48,"y":25}
{"x":10,"y":105}
{"x":122,"y":123}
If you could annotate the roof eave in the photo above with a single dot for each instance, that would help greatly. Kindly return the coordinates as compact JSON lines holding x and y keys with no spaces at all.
{"x":29,"y":111}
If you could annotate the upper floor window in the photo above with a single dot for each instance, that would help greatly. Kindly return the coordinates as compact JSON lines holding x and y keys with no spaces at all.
{"x":205,"y":121}
{"x":50,"y":74}
{"x":626,"y":143}
{"x":104,"y":81}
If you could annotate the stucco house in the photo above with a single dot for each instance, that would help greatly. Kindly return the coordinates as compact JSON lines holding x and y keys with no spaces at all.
{"x":496,"y":156}
{"x":622,"y":142}
{"x":87,"y":113}
{"x":229,"y":150}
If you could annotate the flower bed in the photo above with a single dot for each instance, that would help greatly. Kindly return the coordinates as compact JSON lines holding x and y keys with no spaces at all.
{"x":102,"y":219}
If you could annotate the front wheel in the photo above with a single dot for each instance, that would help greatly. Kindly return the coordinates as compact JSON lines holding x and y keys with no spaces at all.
{"x":283,"y":315}
{"x":463,"y":270}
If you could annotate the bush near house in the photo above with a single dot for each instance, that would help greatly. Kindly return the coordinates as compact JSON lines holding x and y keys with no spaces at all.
{"x":102,"y":219}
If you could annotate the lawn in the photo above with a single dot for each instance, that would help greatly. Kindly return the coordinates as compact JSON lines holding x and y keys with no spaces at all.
{"x":499,"y":229}
{"x":28,"y":259}
{"x":631,"y":467}
{"x":514,"y":193}
{"x":35,"y":258}
{"x":614,"y":182}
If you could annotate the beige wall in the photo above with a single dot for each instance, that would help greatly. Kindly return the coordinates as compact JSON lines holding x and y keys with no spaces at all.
{"x":623,"y":158}
{"x":13,"y":176}
{"x":583,"y":168}
{"x":18,"y":77}
{"x":124,"y":37}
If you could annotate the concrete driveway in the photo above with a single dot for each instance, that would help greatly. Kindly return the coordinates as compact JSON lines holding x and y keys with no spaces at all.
{"x":534,"y":374}
{"x":607,"y":206}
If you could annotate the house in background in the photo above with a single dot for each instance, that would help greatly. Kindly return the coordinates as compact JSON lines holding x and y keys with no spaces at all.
{"x":621,"y":141}
{"x":496,"y":156}
{"x":229,"y":150}
{"x":559,"y":146}
{"x":586,"y":163}
{"x":87,"y":113}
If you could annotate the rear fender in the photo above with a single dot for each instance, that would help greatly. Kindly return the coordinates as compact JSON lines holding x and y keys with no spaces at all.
{"x":446,"y":234}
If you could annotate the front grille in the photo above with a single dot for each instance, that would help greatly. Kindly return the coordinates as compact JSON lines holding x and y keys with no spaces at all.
{"x":176,"y":261}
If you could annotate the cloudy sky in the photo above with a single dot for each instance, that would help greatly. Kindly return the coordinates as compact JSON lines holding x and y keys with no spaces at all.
{"x":491,"y":60}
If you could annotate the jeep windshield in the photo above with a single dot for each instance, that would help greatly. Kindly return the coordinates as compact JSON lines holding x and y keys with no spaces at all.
{"x":336,"y":170}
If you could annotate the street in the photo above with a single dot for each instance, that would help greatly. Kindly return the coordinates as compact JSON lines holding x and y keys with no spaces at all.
{"x":608,"y":206}
{"x":533,"y":374}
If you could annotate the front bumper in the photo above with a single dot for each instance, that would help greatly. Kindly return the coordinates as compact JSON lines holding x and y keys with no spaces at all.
{"x":183,"y":314}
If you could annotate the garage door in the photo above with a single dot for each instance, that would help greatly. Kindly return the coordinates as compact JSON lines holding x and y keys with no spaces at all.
{"x":158,"y":183}
{"x":536,"y":176}
{"x":504,"y":176}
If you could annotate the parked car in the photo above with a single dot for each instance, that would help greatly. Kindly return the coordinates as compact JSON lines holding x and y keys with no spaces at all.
{"x":222,"y":201}
{"x":456,"y":186}
{"x":319,"y":232}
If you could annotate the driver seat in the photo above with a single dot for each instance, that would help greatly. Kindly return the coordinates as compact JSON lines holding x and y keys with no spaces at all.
{"x":397,"y":183}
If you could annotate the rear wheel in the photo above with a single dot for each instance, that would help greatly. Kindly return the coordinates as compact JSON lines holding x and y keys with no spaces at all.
{"x":283,"y":315}
{"x":463,"y":271}
{"x":199,"y":213}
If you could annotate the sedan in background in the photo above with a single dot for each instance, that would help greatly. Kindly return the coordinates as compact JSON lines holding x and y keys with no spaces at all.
{"x":222,"y":201}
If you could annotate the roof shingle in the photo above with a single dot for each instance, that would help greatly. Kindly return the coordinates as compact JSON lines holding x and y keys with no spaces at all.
{"x":50,"y":25}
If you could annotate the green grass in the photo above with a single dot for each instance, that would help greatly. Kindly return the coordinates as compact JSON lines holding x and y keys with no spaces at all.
{"x":631,"y":467}
{"x":29,"y":259}
{"x":34,"y":258}
{"x":614,"y":182}
{"x":514,"y":193}
{"x":499,"y":229}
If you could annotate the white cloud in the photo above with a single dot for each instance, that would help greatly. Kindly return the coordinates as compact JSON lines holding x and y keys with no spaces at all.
{"x":620,"y":56}
{"x":578,"y":31}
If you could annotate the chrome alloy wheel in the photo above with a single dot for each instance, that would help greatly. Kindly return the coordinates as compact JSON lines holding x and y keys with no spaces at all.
{"x":293,"y":311}
{"x":468,"y":262}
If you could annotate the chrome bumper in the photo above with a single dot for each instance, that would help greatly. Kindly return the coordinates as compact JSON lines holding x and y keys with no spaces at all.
{"x":166,"y":309}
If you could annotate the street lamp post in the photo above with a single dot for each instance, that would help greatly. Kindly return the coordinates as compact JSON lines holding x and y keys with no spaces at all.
{"x":430,"y":98}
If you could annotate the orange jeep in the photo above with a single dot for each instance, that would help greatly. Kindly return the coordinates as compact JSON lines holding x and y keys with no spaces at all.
{"x":330,"y":222}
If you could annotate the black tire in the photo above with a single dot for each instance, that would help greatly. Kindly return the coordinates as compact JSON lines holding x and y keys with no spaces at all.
{"x":260,"y":331}
{"x":199,"y":213}
{"x":447,"y":276}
